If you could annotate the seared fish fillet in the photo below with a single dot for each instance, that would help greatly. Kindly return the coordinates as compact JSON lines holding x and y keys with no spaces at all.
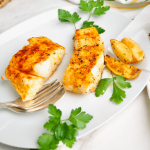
{"x":41,"y":57}
{"x":25,"y":84}
{"x":33,"y":65}
{"x":87,"y":62}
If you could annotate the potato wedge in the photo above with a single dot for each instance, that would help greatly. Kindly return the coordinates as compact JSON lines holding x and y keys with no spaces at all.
{"x":121,"y":51}
{"x":121,"y":69}
{"x":137,"y":53}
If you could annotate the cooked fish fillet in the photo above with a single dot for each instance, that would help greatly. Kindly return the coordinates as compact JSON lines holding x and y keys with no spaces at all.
{"x":88,"y":36}
{"x":26,"y":85}
{"x":87,"y":62}
{"x":41,"y":57}
{"x":34,"y":64}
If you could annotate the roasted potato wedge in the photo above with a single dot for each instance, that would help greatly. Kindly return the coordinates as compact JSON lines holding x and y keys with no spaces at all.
{"x":137,"y":53}
{"x":121,"y":69}
{"x":121,"y":51}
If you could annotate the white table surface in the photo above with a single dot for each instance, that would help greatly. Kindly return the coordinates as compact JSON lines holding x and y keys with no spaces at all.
{"x":129,"y":130}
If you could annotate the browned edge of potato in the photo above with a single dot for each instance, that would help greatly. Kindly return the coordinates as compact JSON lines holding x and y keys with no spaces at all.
{"x":119,"y":68}
{"x":121,"y":51}
{"x":137,"y":53}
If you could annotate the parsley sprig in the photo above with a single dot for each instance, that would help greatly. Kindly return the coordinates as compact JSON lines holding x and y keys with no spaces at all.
{"x":62,"y":130}
{"x":93,"y":7}
{"x":96,"y":8}
{"x":118,"y":93}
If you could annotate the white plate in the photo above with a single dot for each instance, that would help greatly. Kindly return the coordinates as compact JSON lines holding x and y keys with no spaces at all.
{"x":23,"y":130}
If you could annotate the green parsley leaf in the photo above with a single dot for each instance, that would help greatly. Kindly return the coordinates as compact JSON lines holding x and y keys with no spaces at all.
{"x":102,"y":86}
{"x":69,"y":143}
{"x":96,"y":3}
{"x":47,"y":142}
{"x":122,"y":82}
{"x":54,"y":111}
{"x":101,"y":10}
{"x":60,"y":131}
{"x":87,"y":24}
{"x":64,"y":131}
{"x":71,"y":132}
{"x":51,"y":125}
{"x":75,"y":112}
{"x":79,"y":119}
{"x":53,"y":120}
{"x":74,"y":18}
{"x":89,"y":5}
{"x":65,"y":16}
{"x":86,"y":6}
{"x":117,"y":95}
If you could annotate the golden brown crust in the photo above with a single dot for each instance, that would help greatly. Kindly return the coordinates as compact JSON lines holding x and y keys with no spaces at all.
{"x":81,"y":63}
{"x":86,"y":33}
{"x":24,"y":64}
{"x":38,"y":50}
{"x":89,"y":48}
{"x":21,"y":81}
{"x":121,"y":69}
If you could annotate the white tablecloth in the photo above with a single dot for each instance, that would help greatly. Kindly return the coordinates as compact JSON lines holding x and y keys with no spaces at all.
{"x":129,"y":130}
